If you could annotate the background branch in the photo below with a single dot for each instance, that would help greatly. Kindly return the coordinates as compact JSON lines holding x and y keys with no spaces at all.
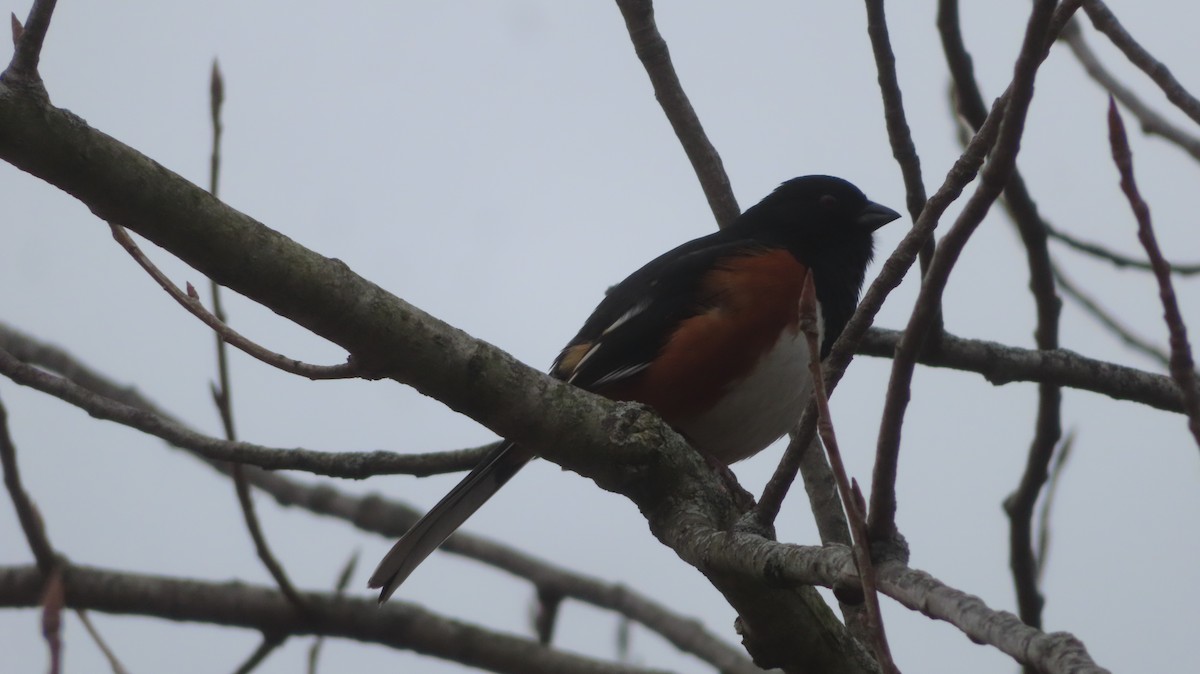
{"x":1151,"y":121}
{"x":31,"y":521}
{"x":398,"y":625}
{"x":1183,"y":368}
{"x":652,"y":50}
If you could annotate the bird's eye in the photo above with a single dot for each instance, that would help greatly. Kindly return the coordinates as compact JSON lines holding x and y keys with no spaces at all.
{"x":828,"y":202}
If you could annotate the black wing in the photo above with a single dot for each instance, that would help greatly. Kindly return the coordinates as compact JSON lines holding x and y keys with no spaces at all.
{"x":632,"y":323}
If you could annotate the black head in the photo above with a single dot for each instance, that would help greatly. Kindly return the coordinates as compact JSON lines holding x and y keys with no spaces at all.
{"x":815,"y":211}
{"x":829,"y":225}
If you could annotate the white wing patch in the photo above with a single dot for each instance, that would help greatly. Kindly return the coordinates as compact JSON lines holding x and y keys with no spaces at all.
{"x":624,"y":318}
{"x":599,"y":344}
{"x":621,"y":373}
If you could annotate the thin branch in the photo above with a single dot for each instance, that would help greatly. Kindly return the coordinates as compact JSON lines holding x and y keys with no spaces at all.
{"x":52,"y":600}
{"x":339,"y":590}
{"x":894,"y":117}
{"x":113,"y":662}
{"x":236,"y":604}
{"x":222,"y":390}
{"x":216,"y":98}
{"x":545,"y":615}
{"x":27,"y":513}
{"x":1152,"y":122}
{"x":191,"y":302}
{"x":260,"y":541}
{"x":1117,"y":259}
{"x":266,"y":647}
{"x":1106,"y":22}
{"x":1093,"y":308}
{"x":354,"y":465}
{"x":27,"y":47}
{"x":1183,"y":368}
{"x":1056,"y":472}
{"x":222,"y":396}
{"x":652,"y":50}
{"x":858,"y":523}
{"x":993,"y":178}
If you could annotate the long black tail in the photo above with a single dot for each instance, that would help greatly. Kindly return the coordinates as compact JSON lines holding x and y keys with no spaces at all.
{"x":448,"y":515}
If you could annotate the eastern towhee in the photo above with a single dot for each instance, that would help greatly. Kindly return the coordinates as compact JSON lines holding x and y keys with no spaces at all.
{"x":706,"y":334}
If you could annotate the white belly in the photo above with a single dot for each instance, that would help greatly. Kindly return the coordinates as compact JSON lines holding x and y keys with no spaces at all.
{"x":762,"y":406}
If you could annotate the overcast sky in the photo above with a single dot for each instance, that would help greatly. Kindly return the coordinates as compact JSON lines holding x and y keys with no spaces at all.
{"x":499,"y":164}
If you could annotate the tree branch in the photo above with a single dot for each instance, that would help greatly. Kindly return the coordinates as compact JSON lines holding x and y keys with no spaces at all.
{"x":27,"y":513}
{"x":1001,"y":364}
{"x":833,"y":566}
{"x":225,"y":334}
{"x":1183,"y":368}
{"x":850,"y":495}
{"x":1151,"y":121}
{"x":1093,"y":308}
{"x":899,"y":135}
{"x":1106,"y":22}
{"x":1118,"y":260}
{"x":27,"y":48}
{"x":353,"y":465}
{"x":236,"y":604}
{"x":651,"y":49}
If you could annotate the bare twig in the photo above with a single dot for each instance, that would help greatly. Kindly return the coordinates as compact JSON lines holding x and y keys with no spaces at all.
{"x":237,"y":604}
{"x":53,"y":600}
{"x":1106,"y":22}
{"x":993,"y":178}
{"x":1117,"y":259}
{"x":266,"y":647}
{"x":339,"y":589}
{"x":191,"y":302}
{"x":1183,"y":368}
{"x":216,"y":98}
{"x":222,"y":392}
{"x":1056,"y":471}
{"x":27,"y":513}
{"x":113,"y":662}
{"x":545,"y":614}
{"x":858,"y":523}
{"x":260,"y":542}
{"x":1093,"y":308}
{"x":652,"y":51}
{"x":1152,"y":122}
{"x":894,"y":117}
{"x":354,"y":465}
{"x":27,"y":47}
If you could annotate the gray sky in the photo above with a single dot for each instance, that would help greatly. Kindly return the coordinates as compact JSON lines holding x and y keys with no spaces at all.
{"x":499,"y":164}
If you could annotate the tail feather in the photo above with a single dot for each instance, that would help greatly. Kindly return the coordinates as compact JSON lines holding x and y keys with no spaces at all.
{"x":448,"y":515}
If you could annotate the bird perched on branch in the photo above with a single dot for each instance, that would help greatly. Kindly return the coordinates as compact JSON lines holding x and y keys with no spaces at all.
{"x":706,"y":334}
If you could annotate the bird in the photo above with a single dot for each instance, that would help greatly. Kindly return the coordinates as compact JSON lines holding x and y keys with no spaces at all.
{"x":706,"y":335}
